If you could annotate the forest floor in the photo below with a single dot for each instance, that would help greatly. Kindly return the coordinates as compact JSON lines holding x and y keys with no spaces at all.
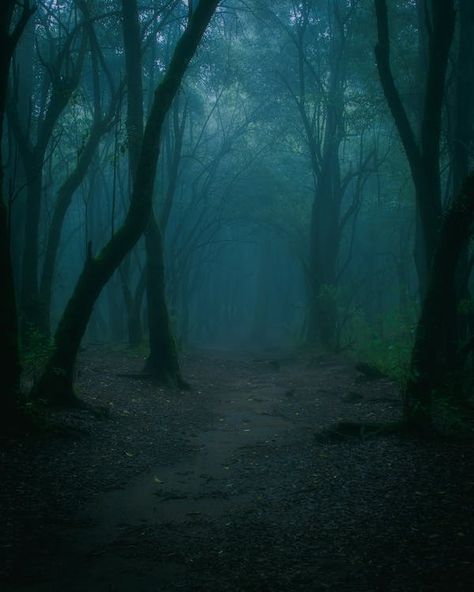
{"x":232,"y":486}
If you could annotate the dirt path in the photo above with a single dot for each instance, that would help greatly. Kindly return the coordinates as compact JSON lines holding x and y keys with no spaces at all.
{"x":227,"y":488}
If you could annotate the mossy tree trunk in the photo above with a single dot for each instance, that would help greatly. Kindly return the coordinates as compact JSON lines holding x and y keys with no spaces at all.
{"x":436,"y":360}
{"x":132,"y":44}
{"x":133,"y":303}
{"x":56,"y":383}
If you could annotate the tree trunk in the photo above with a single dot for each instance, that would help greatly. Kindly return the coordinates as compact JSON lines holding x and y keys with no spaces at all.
{"x":30,"y":309}
{"x":9,"y":351}
{"x":61,"y":206}
{"x":435,"y":362}
{"x":325,"y":231}
{"x":422,"y":156}
{"x":56,"y":383}
{"x":133,"y":304}
{"x":162,"y":362}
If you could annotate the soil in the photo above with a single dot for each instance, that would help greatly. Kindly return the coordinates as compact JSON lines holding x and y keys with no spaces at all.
{"x":235,"y":485}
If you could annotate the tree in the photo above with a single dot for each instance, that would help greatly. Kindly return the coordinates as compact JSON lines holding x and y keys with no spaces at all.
{"x":10,"y":33}
{"x":56,"y":383}
{"x":319,"y":92}
{"x":62,"y":76}
{"x":438,"y":357}
{"x":436,"y":360}
{"x":162,"y":362}
{"x":424,"y":155}
{"x":101,"y":124}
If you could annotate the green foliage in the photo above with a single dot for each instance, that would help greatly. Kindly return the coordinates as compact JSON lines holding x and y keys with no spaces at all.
{"x":385,"y":344}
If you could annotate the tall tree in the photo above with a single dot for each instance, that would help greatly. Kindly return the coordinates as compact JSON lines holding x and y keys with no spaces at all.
{"x":162,"y":362}
{"x":10,"y":33}
{"x":101,"y":124}
{"x":436,"y":358}
{"x":320,"y":96}
{"x":424,"y":155}
{"x":62,"y":76}
{"x":56,"y":383}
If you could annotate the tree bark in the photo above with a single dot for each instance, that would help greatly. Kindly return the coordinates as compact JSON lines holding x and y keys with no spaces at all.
{"x":162,"y":362}
{"x":101,"y":123}
{"x":61,"y":206}
{"x":9,"y":352}
{"x":435,"y":361}
{"x":33,"y":155}
{"x":422,"y":157}
{"x":56,"y":383}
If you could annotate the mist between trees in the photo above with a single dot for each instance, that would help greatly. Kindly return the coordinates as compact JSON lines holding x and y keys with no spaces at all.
{"x":238,"y":175}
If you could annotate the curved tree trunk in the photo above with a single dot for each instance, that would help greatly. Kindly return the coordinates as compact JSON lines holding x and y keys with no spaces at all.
{"x":422,"y":156}
{"x":56,"y":383}
{"x":33,"y":156}
{"x":61,"y":206}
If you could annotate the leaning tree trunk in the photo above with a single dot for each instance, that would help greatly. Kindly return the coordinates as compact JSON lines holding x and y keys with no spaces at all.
{"x":325,"y":245}
{"x":133,"y":304}
{"x":33,"y":155}
{"x":435,"y":361}
{"x":56,"y":382}
{"x":61,"y":206}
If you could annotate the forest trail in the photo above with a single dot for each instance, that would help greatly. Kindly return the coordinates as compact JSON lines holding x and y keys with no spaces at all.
{"x":226,"y":487}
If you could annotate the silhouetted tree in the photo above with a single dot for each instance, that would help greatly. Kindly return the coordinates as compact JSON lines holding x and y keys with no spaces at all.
{"x":10,"y":33}
{"x":162,"y":362}
{"x":56,"y":383}
{"x":438,"y":356}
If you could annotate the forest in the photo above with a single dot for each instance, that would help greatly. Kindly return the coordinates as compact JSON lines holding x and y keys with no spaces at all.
{"x":237,"y":295}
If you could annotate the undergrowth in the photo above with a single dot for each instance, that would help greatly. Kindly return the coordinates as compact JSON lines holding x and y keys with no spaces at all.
{"x":385,"y":344}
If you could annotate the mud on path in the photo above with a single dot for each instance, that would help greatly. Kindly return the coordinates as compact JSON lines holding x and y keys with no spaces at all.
{"x":226,"y":487}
